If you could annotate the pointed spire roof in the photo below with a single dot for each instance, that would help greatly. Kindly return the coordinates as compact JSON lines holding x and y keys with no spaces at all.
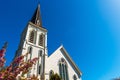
{"x":36,"y":19}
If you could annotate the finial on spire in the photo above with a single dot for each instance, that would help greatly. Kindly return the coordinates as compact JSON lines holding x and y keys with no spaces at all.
{"x":36,"y":19}
{"x":39,"y":5}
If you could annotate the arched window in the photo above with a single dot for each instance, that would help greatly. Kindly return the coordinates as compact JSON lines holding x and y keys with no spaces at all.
{"x":51,"y":73}
{"x":40,"y":53}
{"x":41,"y":40}
{"x":28,"y":74}
{"x":30,"y":51}
{"x":38,"y":22}
{"x":74,"y":77}
{"x":39,"y":69}
{"x":63,"y":70}
{"x":32,"y":37}
{"x":39,"y":65}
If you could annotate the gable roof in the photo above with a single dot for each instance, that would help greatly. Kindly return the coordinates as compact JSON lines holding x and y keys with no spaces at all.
{"x":65,"y":53}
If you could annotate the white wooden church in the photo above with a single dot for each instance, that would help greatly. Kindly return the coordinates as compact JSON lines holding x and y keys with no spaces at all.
{"x":34,"y":41}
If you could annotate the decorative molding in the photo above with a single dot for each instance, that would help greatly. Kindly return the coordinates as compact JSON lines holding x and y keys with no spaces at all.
{"x":32,"y":44}
{"x":38,"y":26}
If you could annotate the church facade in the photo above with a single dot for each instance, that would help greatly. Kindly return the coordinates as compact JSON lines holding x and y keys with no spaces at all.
{"x":34,"y":41}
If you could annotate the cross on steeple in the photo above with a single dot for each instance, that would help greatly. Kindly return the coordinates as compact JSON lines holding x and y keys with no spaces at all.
{"x":36,"y":19}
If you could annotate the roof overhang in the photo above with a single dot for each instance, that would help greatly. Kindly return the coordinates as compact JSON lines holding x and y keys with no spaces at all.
{"x":41,"y":28}
{"x":71,"y":61}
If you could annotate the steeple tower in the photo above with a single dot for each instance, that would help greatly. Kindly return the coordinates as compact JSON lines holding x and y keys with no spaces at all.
{"x":36,"y":19}
{"x":34,"y":42}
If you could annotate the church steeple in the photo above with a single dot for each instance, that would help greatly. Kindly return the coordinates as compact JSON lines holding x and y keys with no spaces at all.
{"x":36,"y":19}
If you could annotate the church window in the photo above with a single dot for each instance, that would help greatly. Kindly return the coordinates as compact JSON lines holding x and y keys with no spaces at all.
{"x":38,"y":22}
{"x":39,"y":69}
{"x":28,"y":74}
{"x":74,"y":77}
{"x":30,"y":51}
{"x":39,"y":65}
{"x":60,"y":69}
{"x":66,"y":71}
{"x":63,"y":70}
{"x":32,"y":37}
{"x":40,"y":53}
{"x":41,"y":40}
{"x":51,"y":73}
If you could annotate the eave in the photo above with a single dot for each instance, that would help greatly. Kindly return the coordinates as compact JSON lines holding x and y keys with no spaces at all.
{"x":38,"y":26}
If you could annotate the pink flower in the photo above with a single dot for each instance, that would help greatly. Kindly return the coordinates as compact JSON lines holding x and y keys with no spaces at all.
{"x":18,"y":59}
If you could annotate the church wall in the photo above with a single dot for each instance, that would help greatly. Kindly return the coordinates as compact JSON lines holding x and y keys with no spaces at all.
{"x":53,"y":64}
{"x":35,"y":47}
{"x":34,"y":54}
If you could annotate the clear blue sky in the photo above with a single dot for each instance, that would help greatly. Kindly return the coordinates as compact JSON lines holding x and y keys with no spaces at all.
{"x":88,"y":29}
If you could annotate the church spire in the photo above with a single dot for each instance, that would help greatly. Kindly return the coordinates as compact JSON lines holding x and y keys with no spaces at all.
{"x":36,"y":19}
